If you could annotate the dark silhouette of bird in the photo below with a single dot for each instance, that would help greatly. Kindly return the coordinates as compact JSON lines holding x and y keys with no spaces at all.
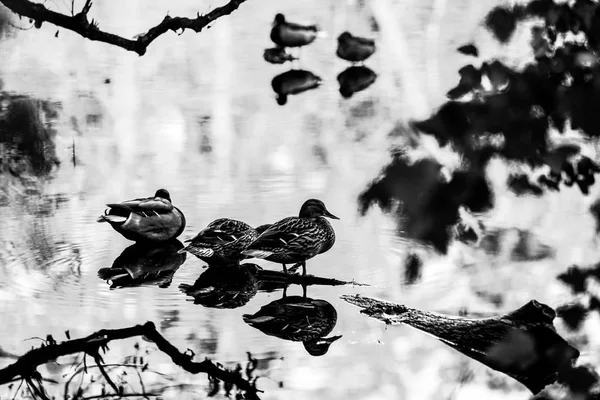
{"x":289,"y":34}
{"x":292,"y":82}
{"x":146,"y":219}
{"x":354,"y":48}
{"x":296,"y":239}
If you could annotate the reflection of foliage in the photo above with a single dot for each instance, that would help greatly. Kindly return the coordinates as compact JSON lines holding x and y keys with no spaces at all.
{"x":497,"y":111}
{"x":27,"y":150}
{"x":114,"y":377}
{"x":429,"y":203}
{"x":4,"y":26}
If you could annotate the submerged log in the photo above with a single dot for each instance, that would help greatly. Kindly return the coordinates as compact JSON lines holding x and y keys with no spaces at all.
{"x":523,"y":344}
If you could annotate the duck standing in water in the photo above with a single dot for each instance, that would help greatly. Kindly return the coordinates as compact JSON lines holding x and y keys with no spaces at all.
{"x":222,"y":241}
{"x":354,"y":48}
{"x":289,"y":34}
{"x":298,"y":319}
{"x":296,"y":239}
{"x":152,"y":219}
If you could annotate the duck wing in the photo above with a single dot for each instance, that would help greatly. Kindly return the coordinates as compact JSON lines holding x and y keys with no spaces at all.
{"x":221,"y":231}
{"x":287,"y":232}
{"x":364,"y":41}
{"x":301,"y":28}
{"x":154,"y":205}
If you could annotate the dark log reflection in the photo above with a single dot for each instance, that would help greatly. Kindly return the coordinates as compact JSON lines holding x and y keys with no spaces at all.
{"x":522,"y":344}
{"x":145,"y":264}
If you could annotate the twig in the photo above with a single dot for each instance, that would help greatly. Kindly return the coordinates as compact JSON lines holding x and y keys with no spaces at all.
{"x":105,"y":374}
{"x":39,"y":391}
{"x":79,"y":23}
{"x":18,"y":388}
{"x":104,"y":396}
{"x":26,"y":365}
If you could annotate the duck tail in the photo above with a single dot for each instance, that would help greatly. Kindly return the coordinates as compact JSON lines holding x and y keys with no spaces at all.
{"x":322,"y":34}
{"x":251,"y":319}
{"x":110,"y":273}
{"x":257,"y":253}
{"x":115,"y":219}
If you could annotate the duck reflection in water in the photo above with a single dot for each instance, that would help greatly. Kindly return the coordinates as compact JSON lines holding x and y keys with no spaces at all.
{"x":277,"y":55}
{"x":299,"y":319}
{"x":224,"y":286}
{"x":354,"y":79}
{"x":292,"y":82}
{"x":145,"y":264}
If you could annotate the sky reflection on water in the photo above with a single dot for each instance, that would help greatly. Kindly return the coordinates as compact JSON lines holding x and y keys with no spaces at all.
{"x":197,"y":114}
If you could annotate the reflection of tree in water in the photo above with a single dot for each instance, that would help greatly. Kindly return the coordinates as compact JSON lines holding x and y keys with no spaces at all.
{"x":27,"y":149}
{"x":499,"y":112}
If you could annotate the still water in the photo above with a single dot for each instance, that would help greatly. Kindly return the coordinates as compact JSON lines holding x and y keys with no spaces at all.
{"x":197,"y":115}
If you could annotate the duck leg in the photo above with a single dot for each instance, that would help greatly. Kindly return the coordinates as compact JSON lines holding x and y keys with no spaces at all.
{"x":285,"y":291}
{"x":285,"y":271}
{"x":304,"y":287}
{"x":303,"y":263}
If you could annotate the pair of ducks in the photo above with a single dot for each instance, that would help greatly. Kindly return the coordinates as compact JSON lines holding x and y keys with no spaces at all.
{"x":288,"y":34}
{"x":292,"y":240}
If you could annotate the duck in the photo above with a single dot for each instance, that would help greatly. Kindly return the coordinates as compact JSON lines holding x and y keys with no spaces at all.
{"x":289,"y":34}
{"x":222,"y":241}
{"x":296,"y":239}
{"x":354,"y":48}
{"x":152,"y":219}
{"x":298,"y":319}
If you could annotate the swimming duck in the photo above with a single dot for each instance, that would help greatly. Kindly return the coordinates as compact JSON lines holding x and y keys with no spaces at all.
{"x":222,"y":241}
{"x":277,"y":55}
{"x":296,"y":239}
{"x":147,"y":219}
{"x":289,"y":34}
{"x":297,"y":319}
{"x":354,"y":48}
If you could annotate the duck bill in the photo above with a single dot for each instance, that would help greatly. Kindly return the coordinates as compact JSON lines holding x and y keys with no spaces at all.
{"x":330,"y":215}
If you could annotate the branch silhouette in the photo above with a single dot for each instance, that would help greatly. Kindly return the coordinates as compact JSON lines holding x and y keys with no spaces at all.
{"x":80,"y":24}
{"x":25,"y":366}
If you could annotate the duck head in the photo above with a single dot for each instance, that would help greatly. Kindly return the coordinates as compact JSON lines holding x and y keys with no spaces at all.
{"x":344,"y":36}
{"x":279,"y":19}
{"x":319,"y":347}
{"x":163,"y":194}
{"x":315,"y":208}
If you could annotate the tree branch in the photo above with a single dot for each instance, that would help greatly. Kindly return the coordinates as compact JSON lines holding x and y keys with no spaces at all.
{"x":25,"y":366}
{"x":79,"y":23}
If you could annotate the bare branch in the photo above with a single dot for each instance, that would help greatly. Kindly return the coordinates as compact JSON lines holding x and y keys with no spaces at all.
{"x":79,"y":23}
{"x":26,"y":365}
